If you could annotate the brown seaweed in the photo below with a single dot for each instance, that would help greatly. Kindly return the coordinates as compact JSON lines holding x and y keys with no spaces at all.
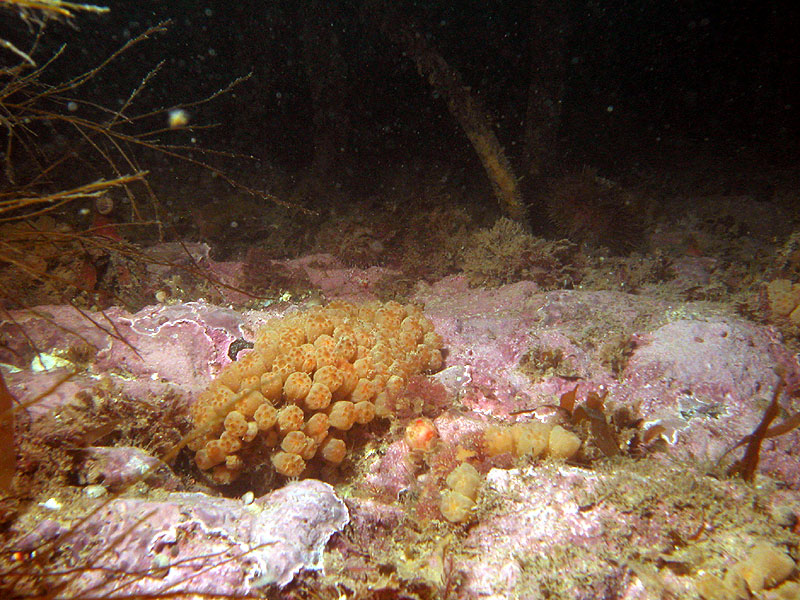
{"x":746,"y":466}
{"x":593,"y":411}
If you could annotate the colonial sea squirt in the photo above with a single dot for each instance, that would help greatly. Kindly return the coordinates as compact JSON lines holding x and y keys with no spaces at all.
{"x":309,"y":379}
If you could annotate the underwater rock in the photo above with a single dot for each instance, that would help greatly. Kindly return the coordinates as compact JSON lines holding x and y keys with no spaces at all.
{"x":319,"y":274}
{"x":175,"y":342}
{"x":705,"y":381}
{"x":509,"y":354}
{"x":48,"y":327}
{"x":197,"y":544}
{"x":702,"y":374}
{"x":121,"y":466}
{"x":296,"y":523}
{"x":511,"y":349}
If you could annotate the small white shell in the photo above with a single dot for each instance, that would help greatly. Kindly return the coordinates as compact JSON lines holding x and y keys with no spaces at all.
{"x":51,"y":504}
{"x":95,"y":491}
{"x":160,"y":561}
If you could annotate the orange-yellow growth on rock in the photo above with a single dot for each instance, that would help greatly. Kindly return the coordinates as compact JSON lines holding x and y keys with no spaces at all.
{"x":326,"y":370}
{"x":421,"y":435}
{"x":533,"y":439}
{"x":459,"y":499}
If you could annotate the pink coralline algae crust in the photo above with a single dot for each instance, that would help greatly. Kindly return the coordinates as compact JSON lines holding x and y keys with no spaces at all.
{"x":707,"y":383}
{"x":118,"y":467}
{"x":559,"y":532}
{"x":539,"y":515}
{"x":702,"y":374}
{"x":195,"y":544}
{"x":179,"y":343}
{"x":47,"y":327}
{"x":181,"y":340}
{"x":335,"y":280}
{"x":323,"y":273}
{"x":160,"y":349}
{"x":393,"y":473}
{"x":487,"y":331}
{"x":42,"y":393}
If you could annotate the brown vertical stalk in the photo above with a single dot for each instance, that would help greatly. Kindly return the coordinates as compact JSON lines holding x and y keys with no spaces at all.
{"x":8,"y":450}
{"x":472,"y":119}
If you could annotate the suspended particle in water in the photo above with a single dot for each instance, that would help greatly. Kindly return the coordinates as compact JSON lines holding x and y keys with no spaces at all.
{"x":104,"y":205}
{"x":177,"y":118}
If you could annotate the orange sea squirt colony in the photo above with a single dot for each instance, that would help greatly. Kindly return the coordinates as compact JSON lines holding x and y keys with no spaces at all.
{"x":310,"y":378}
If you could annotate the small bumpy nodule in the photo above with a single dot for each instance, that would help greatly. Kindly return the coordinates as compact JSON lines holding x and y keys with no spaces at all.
{"x":310,"y":378}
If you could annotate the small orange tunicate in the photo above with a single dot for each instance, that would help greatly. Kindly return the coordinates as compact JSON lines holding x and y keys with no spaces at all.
{"x":288,"y":463}
{"x":266,"y":344}
{"x":364,"y":412}
{"x":346,"y":348}
{"x":498,"y":440}
{"x":251,"y":364}
{"x":330,"y":376}
{"x":364,"y":367}
{"x":349,"y":382}
{"x":433,"y":339}
{"x":252,"y":432}
{"x":229,"y":442}
{"x":317,"y":426}
{"x":333,"y":450}
{"x":291,"y":337}
{"x":249,"y":402}
{"x":230,"y":377}
{"x":563,"y":443}
{"x":413,"y":325}
{"x":296,"y":386}
{"x":342,"y":415}
{"x":325,"y":341}
{"x":324,"y":357}
{"x":421,"y":434}
{"x":317,"y":325}
{"x":213,"y":454}
{"x":408,"y":340}
{"x":292,"y":359}
{"x":364,"y":390}
{"x":455,"y":506}
{"x":290,"y":418}
{"x":235,"y":423}
{"x":298,"y":442}
{"x":204,"y":461}
{"x":318,"y":397}
{"x":465,"y":480}
{"x":265,"y":416}
{"x":272,"y":385}
{"x":309,"y":361}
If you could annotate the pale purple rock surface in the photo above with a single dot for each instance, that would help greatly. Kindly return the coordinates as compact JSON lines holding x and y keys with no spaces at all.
{"x":193,"y":543}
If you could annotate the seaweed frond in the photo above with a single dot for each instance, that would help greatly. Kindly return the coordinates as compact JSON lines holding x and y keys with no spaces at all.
{"x":746,"y":466}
